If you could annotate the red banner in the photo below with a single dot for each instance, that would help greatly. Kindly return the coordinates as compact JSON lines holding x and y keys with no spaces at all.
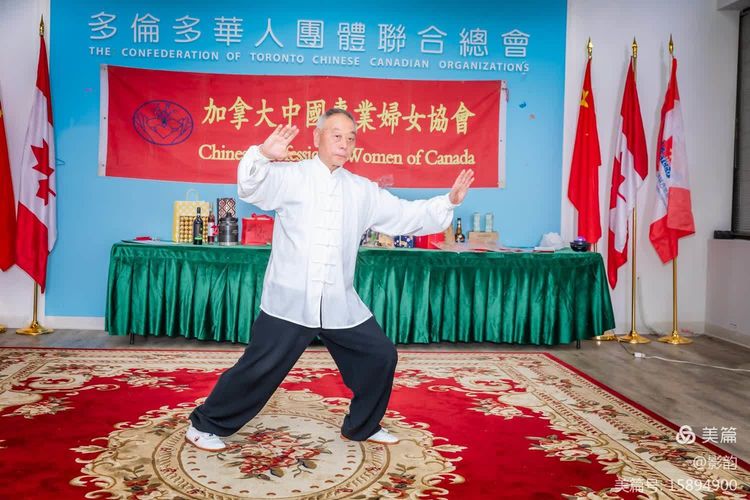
{"x":195,"y":127}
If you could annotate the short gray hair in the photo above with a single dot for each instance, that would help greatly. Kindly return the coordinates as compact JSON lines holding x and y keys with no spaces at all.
{"x":331,"y":112}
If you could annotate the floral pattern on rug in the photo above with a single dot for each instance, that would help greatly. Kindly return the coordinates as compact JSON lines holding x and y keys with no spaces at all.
{"x":296,"y":435}
{"x":563,"y":449}
{"x":298,"y":374}
{"x":48,"y":383}
{"x":50,"y":406}
{"x":276,"y":452}
{"x":640,"y":453}
{"x":463,"y":419}
{"x":590,"y":494}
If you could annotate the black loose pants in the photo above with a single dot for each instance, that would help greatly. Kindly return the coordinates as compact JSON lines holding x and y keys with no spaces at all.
{"x":365,"y":357}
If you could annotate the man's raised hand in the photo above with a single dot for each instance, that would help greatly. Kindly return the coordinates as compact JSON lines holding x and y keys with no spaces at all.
{"x":461,"y":186}
{"x":275,"y":146}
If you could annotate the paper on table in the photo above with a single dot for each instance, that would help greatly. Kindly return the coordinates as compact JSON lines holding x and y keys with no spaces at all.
{"x":467,"y":247}
{"x":151,"y":242}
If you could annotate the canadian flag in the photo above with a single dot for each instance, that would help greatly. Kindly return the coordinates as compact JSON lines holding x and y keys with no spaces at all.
{"x":628,"y":173}
{"x":37,"y":225}
{"x":673,"y":218}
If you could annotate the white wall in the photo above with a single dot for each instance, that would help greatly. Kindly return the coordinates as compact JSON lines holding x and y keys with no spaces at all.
{"x":706,"y":47}
{"x":728,"y":290}
{"x":19,"y":39}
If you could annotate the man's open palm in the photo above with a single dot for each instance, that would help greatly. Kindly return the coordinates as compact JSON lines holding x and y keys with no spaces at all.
{"x":275,"y":146}
{"x":461,"y":186}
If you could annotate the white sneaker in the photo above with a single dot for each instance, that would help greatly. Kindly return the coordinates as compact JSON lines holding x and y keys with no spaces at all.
{"x":383,"y":437}
{"x":204,"y":440}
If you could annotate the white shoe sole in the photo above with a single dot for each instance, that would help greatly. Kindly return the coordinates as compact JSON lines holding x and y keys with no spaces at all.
{"x":383,"y":442}
{"x":205,"y":449}
{"x":373,"y":441}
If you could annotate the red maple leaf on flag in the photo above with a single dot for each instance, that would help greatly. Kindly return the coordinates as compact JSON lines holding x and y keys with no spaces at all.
{"x":43,"y":166}
{"x":617,"y":180}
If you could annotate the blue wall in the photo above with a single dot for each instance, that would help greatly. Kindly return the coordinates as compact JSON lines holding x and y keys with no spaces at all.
{"x":95,"y":212}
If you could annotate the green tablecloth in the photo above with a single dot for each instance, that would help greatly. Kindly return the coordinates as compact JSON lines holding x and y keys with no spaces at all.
{"x":417,"y":296}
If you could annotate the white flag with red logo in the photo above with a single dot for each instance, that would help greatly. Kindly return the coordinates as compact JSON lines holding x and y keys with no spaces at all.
{"x":674,"y":214}
{"x":628,"y":173}
{"x":37,"y":225}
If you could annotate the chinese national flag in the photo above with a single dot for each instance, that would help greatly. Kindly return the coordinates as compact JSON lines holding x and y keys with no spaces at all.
{"x":583,"y":185}
{"x":37,"y":227}
{"x":628,"y":173}
{"x":673,"y":218}
{"x":7,"y":204}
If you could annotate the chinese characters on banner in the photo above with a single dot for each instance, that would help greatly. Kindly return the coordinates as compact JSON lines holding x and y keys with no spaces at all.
{"x":145,"y":31}
{"x":195,"y":127}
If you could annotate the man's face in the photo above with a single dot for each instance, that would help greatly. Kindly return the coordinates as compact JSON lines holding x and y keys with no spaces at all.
{"x":335,"y":141}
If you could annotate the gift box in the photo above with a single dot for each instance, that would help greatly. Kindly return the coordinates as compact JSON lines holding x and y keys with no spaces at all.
{"x":184,"y":233}
{"x":403,"y":241}
{"x":257,"y":230}
{"x":385,"y":241}
{"x":183,"y":214}
{"x":226,"y":206}
{"x":428,"y":241}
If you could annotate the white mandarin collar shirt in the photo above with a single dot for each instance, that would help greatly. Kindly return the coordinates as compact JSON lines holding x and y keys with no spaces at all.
{"x":320,"y":218}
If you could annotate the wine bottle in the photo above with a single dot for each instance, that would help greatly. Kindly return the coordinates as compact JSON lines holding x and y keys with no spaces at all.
{"x":198,"y":228}
{"x":211,"y":225}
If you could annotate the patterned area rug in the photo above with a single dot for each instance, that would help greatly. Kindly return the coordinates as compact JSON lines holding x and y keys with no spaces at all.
{"x":111,"y":424}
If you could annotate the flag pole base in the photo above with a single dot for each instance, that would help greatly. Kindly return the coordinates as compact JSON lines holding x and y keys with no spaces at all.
{"x":675,"y":338}
{"x":605,"y":337}
{"x":2,"y":328}
{"x":633,"y":338}
{"x":34,"y":329}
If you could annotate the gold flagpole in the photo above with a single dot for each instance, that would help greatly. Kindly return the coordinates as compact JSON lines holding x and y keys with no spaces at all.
{"x":607,"y":335}
{"x":34,"y":328}
{"x":675,"y":337}
{"x":633,"y":337}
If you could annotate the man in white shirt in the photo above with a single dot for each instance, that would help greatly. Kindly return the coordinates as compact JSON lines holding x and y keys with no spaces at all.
{"x":322,"y":210}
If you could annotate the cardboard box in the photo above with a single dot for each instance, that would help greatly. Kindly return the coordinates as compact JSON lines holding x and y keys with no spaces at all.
{"x":483,"y":237}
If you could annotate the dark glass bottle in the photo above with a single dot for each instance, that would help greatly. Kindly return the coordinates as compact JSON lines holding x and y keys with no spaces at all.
{"x":460,"y":238}
{"x":198,"y":228}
